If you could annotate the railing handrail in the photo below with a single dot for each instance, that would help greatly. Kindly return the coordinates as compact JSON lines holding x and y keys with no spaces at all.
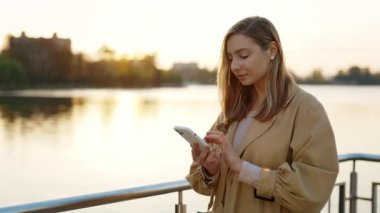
{"x":359,"y":156}
{"x":90,"y":200}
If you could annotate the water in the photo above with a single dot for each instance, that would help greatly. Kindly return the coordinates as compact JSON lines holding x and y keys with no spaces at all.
{"x":62,"y":143}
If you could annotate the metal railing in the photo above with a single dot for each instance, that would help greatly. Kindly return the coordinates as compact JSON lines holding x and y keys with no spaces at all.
{"x":91,"y":200}
{"x":353,"y":198}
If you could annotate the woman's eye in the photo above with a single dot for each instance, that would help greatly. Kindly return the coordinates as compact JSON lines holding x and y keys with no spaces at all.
{"x":244,"y":56}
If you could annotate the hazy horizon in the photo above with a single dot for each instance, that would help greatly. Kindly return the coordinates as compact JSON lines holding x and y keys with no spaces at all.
{"x":325,"y":35}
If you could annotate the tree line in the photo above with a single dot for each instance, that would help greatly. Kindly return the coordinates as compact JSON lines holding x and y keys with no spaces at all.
{"x":78,"y":72}
{"x":354,"y":75}
{"x":49,"y":62}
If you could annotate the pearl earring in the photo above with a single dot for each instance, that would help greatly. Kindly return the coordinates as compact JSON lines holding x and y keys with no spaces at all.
{"x":272,"y":57}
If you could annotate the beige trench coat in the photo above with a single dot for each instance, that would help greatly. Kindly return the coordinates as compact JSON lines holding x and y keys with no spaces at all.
{"x":298,"y":153}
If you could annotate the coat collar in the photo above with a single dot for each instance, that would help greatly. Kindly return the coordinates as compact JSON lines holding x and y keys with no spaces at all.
{"x":293,"y":89}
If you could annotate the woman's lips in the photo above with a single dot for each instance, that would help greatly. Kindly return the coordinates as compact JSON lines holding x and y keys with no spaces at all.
{"x":241,"y":76}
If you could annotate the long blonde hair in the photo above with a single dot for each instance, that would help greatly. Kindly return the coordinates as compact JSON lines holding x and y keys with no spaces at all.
{"x":237,"y":100}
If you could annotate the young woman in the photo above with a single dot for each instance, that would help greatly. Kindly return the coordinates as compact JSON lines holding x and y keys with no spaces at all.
{"x":277,"y":148}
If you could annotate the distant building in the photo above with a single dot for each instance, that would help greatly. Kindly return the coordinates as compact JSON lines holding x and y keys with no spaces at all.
{"x":43,"y":58}
{"x":34,"y":44}
{"x":185,"y":66}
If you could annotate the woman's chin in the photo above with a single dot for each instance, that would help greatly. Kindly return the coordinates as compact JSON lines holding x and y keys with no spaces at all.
{"x":246,"y":83}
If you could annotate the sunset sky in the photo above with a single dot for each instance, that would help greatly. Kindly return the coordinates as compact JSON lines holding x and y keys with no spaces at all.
{"x":325,"y":34}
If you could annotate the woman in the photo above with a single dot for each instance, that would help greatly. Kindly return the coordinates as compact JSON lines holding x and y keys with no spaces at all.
{"x":278,"y":151}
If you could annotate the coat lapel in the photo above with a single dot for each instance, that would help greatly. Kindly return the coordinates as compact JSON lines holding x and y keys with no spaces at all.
{"x":231,"y":133}
{"x":255,"y":130}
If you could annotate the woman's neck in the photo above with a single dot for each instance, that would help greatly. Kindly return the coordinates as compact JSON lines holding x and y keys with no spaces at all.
{"x":260,"y":96}
{"x":258,"y":103}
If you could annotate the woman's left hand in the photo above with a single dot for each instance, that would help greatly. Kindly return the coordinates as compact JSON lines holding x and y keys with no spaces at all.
{"x":229,"y":155}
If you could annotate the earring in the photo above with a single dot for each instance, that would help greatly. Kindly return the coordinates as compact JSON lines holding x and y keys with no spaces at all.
{"x":272,"y":57}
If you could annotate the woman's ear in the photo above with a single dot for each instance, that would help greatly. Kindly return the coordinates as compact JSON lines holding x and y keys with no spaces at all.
{"x":273,"y":49}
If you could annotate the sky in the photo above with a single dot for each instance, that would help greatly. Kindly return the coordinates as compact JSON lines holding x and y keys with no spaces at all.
{"x":329,"y":35}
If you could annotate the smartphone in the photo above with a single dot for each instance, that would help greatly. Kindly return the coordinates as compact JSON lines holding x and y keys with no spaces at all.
{"x":190,"y":136}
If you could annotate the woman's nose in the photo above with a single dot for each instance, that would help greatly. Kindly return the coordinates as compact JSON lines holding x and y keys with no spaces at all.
{"x":235,"y":65}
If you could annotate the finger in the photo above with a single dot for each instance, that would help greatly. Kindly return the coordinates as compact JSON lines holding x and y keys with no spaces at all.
{"x":215,"y":154}
{"x":195,"y":151}
{"x":217,"y":139}
{"x":209,"y":136}
{"x":212,"y":158}
{"x":194,"y":145}
{"x":217,"y":151}
{"x":202,"y":157}
{"x":215,"y":132}
{"x":195,"y":148}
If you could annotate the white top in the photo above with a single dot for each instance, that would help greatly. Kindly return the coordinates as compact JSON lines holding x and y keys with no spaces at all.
{"x":249,"y":173}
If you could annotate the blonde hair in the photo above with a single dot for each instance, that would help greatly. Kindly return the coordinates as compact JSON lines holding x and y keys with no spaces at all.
{"x":236,"y":99}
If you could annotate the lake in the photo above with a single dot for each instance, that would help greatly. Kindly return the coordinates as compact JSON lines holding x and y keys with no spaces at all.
{"x":63,"y":143}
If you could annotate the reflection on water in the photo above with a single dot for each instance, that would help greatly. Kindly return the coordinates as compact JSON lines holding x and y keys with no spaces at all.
{"x":57,"y":144}
{"x":28,"y":113}
{"x":31,"y":107}
{"x":21,"y":115}
{"x":147,"y":107}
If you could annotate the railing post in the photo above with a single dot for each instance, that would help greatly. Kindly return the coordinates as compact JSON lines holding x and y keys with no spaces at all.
{"x":180,"y":207}
{"x":353,"y":189}
{"x":374,"y":197}
{"x":342,"y":198}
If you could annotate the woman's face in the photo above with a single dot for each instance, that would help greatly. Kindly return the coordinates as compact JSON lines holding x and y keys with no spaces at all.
{"x":248,"y":62}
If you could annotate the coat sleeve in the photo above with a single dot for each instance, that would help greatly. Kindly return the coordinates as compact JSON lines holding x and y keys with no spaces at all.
{"x":195,"y":177}
{"x":305,"y":183}
{"x":197,"y":180}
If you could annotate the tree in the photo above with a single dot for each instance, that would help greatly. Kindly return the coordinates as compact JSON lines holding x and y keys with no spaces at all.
{"x":106,"y":53}
{"x":356,"y":75}
{"x":12,"y":73}
{"x":316,"y":77}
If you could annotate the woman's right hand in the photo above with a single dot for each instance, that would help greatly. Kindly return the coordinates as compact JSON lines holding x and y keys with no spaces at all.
{"x":208,"y":158}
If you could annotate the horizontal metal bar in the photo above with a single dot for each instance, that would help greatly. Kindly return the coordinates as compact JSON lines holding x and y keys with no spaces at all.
{"x":83,"y":201}
{"x":364,"y":198}
{"x":359,"y":198}
{"x":340,"y":184}
{"x":359,"y":156}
